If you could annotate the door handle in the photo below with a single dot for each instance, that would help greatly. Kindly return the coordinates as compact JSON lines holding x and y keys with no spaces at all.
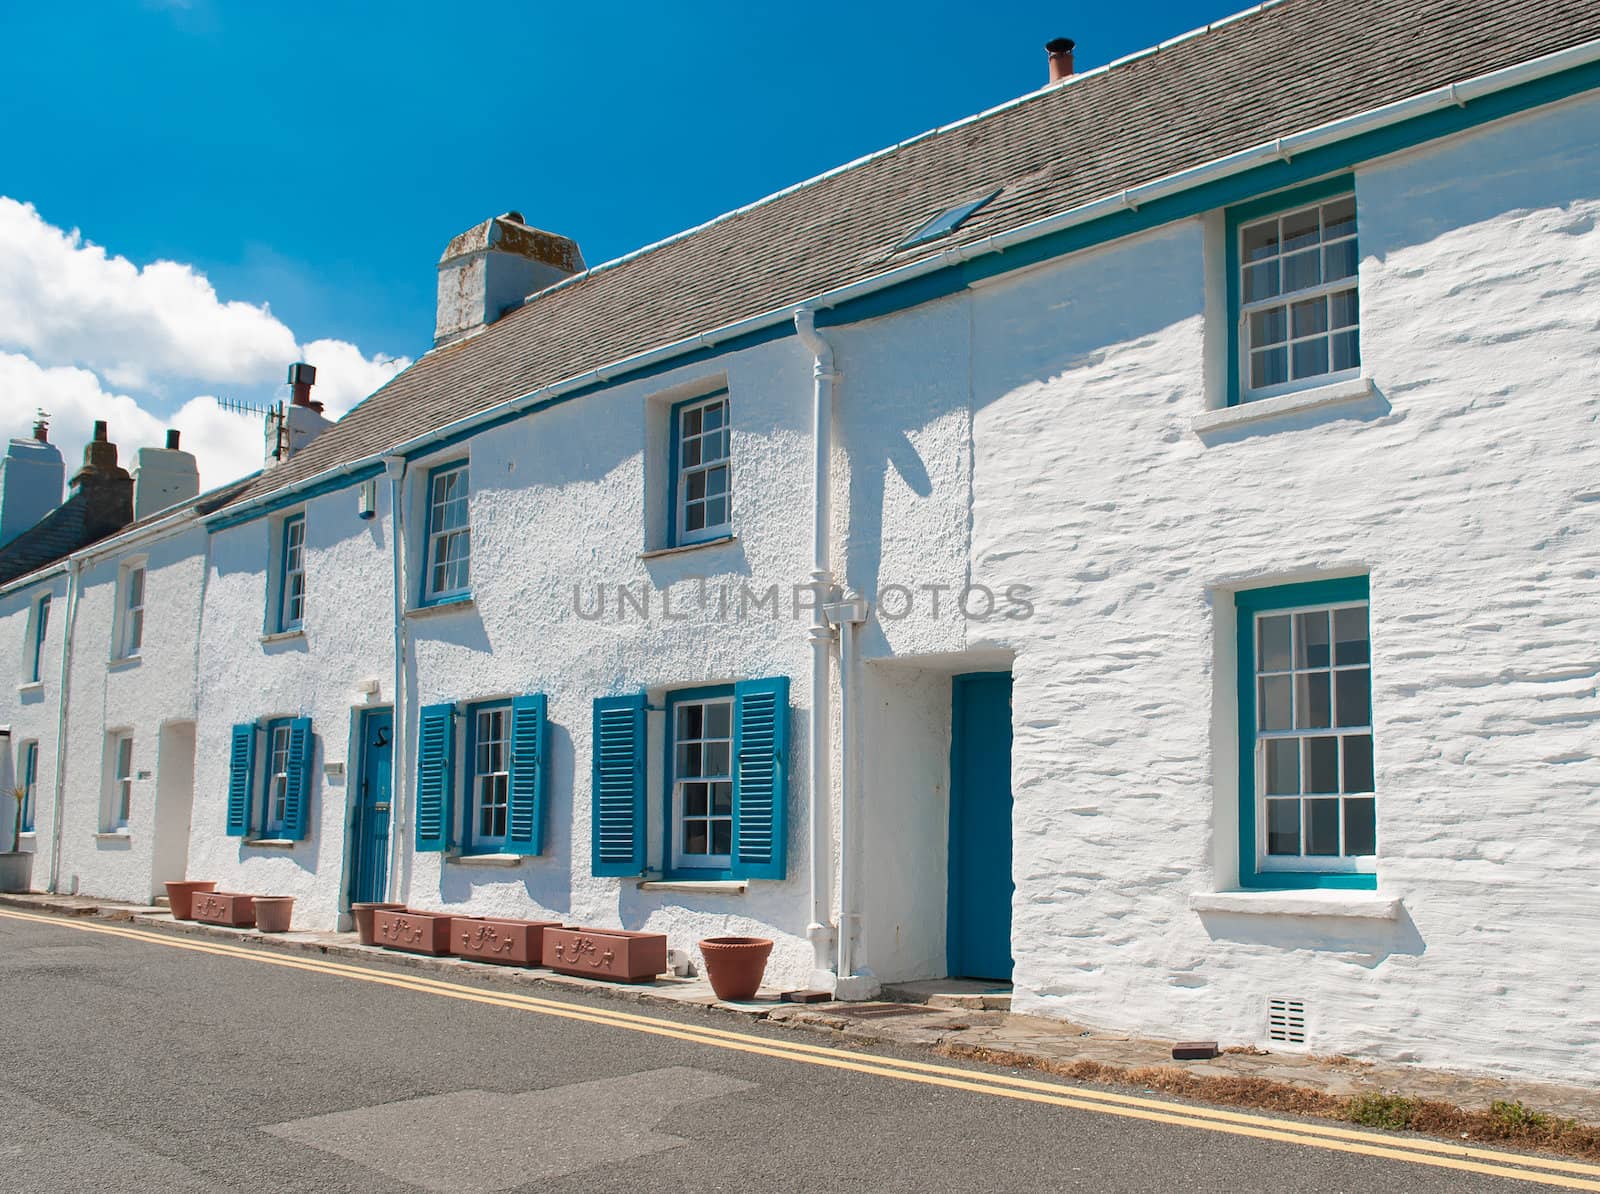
{"x":381,"y":806}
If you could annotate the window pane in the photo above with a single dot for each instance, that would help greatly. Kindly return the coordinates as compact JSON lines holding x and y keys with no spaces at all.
{"x":688,"y":764}
{"x":1350,"y":635}
{"x":1311,"y":639}
{"x":694,"y":800}
{"x":1274,"y":647}
{"x":1260,"y":281}
{"x":1346,"y":351}
{"x":719,"y":720}
{"x":1311,"y":706}
{"x":1275,"y":706}
{"x":694,"y":517}
{"x":1301,"y":270}
{"x":716,"y":512}
{"x":1355,"y":697}
{"x":712,"y":418}
{"x":1268,"y":368}
{"x":691,"y":453}
{"x":1311,"y":358}
{"x":1345,"y":309}
{"x":1360,"y":826}
{"x":1339,"y":218}
{"x":716,"y":758}
{"x":691,"y":421}
{"x":694,"y":837}
{"x":1322,"y":826}
{"x":1322,"y":764}
{"x":697,"y":486}
{"x":1310,"y":316}
{"x":1261,"y":240}
{"x":1268,"y":327}
{"x":722,"y":799}
{"x":717,"y":480}
{"x":1358,"y":763}
{"x":1301,"y":228}
{"x":1283,"y":827}
{"x":722,"y":837}
{"x":1283,"y":767}
{"x":1339,"y":261}
{"x":690,"y":719}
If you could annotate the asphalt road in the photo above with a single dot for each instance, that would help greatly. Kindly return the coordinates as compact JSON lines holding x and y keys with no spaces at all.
{"x":129,"y":1064}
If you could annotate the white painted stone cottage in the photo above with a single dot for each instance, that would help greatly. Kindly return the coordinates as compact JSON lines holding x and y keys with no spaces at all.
{"x":1197,"y":460}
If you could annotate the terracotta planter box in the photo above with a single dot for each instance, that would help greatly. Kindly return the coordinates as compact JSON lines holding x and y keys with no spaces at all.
{"x":413,"y":932}
{"x":606,"y":953}
{"x":223,"y":908}
{"x":362,"y":914}
{"x":496,"y":939}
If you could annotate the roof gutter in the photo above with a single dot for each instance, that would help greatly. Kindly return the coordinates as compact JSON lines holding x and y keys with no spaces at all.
{"x":1132,"y":198}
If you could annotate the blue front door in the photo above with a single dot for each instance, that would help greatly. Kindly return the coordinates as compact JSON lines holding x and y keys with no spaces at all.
{"x":978,"y":931}
{"x":369,"y":861}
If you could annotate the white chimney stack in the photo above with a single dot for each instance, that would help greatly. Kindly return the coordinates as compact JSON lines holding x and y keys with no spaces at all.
{"x":163,"y":477}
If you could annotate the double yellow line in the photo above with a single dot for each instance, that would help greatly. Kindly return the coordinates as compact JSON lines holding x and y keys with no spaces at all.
{"x":1572,"y":1175}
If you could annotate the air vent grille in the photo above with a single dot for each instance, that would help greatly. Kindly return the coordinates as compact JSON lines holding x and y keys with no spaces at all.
{"x":1286,"y":1021}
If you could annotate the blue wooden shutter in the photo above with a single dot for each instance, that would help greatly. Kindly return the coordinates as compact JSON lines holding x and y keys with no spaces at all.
{"x":436,"y":756}
{"x":761,"y":778}
{"x":525,"y":804}
{"x":241,"y":778}
{"x":618,"y":786}
{"x":297,"y":800}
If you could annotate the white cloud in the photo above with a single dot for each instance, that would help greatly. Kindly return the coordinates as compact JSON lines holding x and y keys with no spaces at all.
{"x":93,"y":336}
{"x":225,"y":445}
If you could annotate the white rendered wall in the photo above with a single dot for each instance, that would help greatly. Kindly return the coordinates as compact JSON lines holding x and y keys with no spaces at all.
{"x":1466,"y":490}
{"x":247,"y":675}
{"x":31,"y":710}
{"x":138,"y":697}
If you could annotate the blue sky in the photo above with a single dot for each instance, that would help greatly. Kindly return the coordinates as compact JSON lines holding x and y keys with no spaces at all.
{"x":316,"y":158}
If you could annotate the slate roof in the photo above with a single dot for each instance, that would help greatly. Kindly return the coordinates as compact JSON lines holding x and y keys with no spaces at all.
{"x":1277,"y":70}
{"x":67,"y":529}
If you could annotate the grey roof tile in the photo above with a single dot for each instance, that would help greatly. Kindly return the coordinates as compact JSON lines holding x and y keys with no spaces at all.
{"x":1275,"y":71}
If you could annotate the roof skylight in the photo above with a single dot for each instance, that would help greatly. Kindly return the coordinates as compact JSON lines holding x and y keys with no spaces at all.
{"x":945,"y":222}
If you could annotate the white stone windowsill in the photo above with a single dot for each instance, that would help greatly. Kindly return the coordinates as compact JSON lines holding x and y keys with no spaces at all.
{"x":486,"y":859}
{"x":113,"y":835}
{"x":123,"y":662}
{"x":446,"y":605}
{"x":31,"y":687}
{"x":27,"y":841}
{"x":659,"y":552}
{"x":1355,"y":905}
{"x":705,"y":886}
{"x":283,"y":636}
{"x":271,"y":843}
{"x":1334,"y":394}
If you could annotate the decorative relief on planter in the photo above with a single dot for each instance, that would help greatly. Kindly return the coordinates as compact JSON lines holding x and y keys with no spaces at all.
{"x":223,"y":908}
{"x":414,"y":932}
{"x":495,"y":939}
{"x":606,"y":953}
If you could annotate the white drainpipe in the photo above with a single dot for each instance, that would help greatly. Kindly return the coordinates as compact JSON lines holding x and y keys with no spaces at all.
{"x":74,"y":574}
{"x":852,"y":983}
{"x":820,"y":635}
{"x":395,"y":468}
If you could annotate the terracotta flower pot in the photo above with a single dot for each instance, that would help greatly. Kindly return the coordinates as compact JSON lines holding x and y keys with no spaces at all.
{"x":735,"y":965}
{"x":273,"y":913}
{"x":180,"y":895}
{"x":363,"y":914}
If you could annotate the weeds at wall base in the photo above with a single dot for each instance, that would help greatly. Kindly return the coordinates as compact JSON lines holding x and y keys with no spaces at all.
{"x":1504,"y":1122}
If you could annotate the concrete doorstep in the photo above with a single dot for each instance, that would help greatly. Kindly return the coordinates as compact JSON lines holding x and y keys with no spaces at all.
{"x":953,"y":1017}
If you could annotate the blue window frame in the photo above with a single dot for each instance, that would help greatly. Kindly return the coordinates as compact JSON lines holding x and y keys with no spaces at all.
{"x":700,"y":818}
{"x":41,"y":627}
{"x":30,"y":780}
{"x":1307,"y":797}
{"x":276,"y":792}
{"x":447,"y":535}
{"x":488,"y":776}
{"x":1293,"y":292}
{"x":701,"y":497}
{"x":292,"y":574}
